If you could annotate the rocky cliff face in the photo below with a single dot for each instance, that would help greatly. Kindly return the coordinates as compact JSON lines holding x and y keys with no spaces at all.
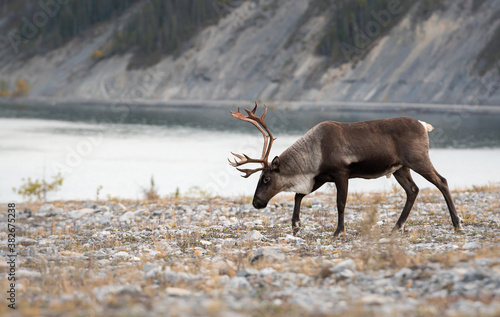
{"x":266,"y":50}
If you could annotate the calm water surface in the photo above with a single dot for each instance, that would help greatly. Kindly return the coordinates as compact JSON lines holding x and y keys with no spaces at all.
{"x":186,"y":149}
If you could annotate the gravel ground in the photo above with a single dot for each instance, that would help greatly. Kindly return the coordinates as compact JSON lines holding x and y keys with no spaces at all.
{"x":221,"y":257}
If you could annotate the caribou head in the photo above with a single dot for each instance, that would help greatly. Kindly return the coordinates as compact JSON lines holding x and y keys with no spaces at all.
{"x":270,"y":183}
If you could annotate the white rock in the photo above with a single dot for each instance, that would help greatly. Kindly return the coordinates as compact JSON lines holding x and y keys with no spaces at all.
{"x":100,"y":254}
{"x":138,"y":212}
{"x":102,"y":292}
{"x":149,"y":266}
{"x":128,"y":216}
{"x":103,"y":208}
{"x":267,"y":271}
{"x":180,"y":277}
{"x":27,"y":273}
{"x":153,"y":253}
{"x":348,"y":264}
{"x":121,"y":255}
{"x":229,"y":242}
{"x":258,"y":222}
{"x":403,"y":273}
{"x":151,"y":269}
{"x":268,"y":253}
{"x":25,"y":241}
{"x":239,"y":282}
{"x":440,"y":294}
{"x":253,"y":235}
{"x":205,"y":242}
{"x":54,"y":212}
{"x":176,"y":291}
{"x":247,"y":272}
{"x":346,"y":274}
{"x":105,"y":218}
{"x":44,"y":210}
{"x":99,"y":235}
{"x":79,"y":213}
{"x":374,"y":299}
{"x":291,"y":238}
{"x":224,"y":266}
{"x":471,"y":245}
{"x":119,"y":207}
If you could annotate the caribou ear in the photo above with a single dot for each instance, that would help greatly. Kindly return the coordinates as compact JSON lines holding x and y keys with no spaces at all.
{"x":275,"y":164}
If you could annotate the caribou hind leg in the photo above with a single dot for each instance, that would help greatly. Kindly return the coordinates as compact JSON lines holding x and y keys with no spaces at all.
{"x":428,"y":171}
{"x":404,"y":179}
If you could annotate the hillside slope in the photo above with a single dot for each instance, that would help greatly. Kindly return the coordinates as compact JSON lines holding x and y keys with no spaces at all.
{"x":267,"y":50}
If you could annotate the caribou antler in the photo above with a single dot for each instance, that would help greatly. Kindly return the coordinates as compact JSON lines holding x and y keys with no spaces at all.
{"x":260,"y":123}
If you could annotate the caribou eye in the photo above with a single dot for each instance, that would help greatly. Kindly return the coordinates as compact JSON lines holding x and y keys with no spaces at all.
{"x":267,"y":179}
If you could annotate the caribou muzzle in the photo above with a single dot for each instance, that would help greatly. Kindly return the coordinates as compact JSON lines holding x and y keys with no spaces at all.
{"x":258,"y":203}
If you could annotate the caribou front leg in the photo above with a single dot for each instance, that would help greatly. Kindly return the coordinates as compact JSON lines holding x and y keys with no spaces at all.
{"x":342,"y":184}
{"x":296,"y":213}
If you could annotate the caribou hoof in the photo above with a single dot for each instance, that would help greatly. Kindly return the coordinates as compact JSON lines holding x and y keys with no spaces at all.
{"x":296,"y":228}
{"x":400,"y":230}
{"x":338,"y":232}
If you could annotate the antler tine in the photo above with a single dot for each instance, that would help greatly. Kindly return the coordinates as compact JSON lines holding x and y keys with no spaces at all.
{"x":251,"y":114}
{"x":243,"y":160}
{"x":259,"y":123}
{"x":249,"y":172}
{"x":261,"y":119}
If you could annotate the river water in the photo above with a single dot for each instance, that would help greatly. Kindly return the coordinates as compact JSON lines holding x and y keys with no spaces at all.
{"x":185,"y":149}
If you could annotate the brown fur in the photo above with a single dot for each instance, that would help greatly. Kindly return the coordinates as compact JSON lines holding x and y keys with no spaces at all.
{"x":335,"y":152}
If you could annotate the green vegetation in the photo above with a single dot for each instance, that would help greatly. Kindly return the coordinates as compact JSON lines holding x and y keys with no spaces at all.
{"x":54,"y":24}
{"x":22,"y":89}
{"x":152,"y":192}
{"x":4,"y":90}
{"x":77,"y":16}
{"x":162,"y":27}
{"x":355,"y":25}
{"x":98,"y":192}
{"x":154,"y":28}
{"x":39,"y":188}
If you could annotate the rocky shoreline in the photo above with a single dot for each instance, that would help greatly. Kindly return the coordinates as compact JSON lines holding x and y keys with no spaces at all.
{"x":221,"y":257}
{"x":306,"y":105}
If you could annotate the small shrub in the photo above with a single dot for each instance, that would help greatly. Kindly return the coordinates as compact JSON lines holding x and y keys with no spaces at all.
{"x":97,"y":54}
{"x":98,"y":192}
{"x":4,"y":90}
{"x":197,"y":192}
{"x":22,"y":88}
{"x":151,"y":193}
{"x":39,"y":188}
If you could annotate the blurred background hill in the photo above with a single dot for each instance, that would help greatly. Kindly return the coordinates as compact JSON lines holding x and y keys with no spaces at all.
{"x":418,"y":51}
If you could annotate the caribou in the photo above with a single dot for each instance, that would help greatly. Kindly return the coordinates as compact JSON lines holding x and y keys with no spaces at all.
{"x":335,"y":152}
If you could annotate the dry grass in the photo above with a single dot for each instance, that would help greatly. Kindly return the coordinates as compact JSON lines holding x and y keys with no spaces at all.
{"x":178,"y":243}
